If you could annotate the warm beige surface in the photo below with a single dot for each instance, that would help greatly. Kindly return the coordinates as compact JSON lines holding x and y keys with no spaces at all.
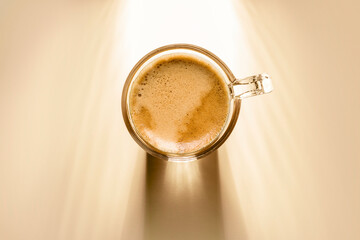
{"x":69,"y":169}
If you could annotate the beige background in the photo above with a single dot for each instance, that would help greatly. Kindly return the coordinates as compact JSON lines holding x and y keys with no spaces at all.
{"x":70,"y":170}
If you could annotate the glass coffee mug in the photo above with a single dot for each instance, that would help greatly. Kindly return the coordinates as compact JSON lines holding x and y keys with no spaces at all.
{"x":238,"y":90}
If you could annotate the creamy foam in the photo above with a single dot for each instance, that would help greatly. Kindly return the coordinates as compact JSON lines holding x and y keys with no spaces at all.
{"x":179,"y":103}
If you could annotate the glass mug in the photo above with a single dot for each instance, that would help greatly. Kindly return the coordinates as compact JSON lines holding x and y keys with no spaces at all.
{"x":238,"y":90}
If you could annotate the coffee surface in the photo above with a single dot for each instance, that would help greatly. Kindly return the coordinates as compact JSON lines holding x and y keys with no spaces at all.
{"x":179,"y":103}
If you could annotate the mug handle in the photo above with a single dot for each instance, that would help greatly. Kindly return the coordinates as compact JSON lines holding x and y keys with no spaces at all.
{"x":252,"y":86}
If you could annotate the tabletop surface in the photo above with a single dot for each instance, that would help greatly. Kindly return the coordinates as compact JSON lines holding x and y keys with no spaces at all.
{"x":70,"y":170}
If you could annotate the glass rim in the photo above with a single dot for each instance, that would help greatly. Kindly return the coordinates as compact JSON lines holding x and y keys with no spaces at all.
{"x":234,"y":106}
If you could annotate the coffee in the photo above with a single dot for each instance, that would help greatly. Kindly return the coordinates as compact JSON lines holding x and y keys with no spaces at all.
{"x":179,"y":103}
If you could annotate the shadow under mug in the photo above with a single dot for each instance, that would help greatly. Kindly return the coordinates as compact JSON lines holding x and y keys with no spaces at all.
{"x":238,"y":90}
